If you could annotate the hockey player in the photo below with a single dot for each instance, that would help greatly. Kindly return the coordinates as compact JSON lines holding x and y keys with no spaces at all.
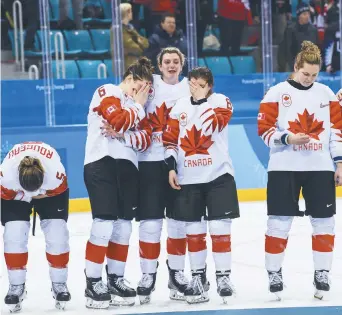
{"x":32,"y":176}
{"x":201,"y":174}
{"x":332,"y":49}
{"x":300,"y":120}
{"x":111,"y":178}
{"x":154,"y":189}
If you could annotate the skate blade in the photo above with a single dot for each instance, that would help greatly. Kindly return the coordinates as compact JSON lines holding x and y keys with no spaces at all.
{"x":120,"y":301}
{"x":278,"y":295}
{"x":197,"y":298}
{"x":319,"y":294}
{"x":15,"y":308}
{"x":226,"y":299}
{"x":60,"y":305}
{"x":90,"y":303}
{"x":144,"y":299}
{"x":176,"y":295}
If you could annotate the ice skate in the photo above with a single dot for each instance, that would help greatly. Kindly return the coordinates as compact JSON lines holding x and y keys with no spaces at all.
{"x":121,"y":293}
{"x":276,"y":284}
{"x":197,"y":291}
{"x":321,"y":283}
{"x":225,"y":287}
{"x":97,"y":294}
{"x":177,"y":284}
{"x":146,"y":286}
{"x":15,"y":297}
{"x":61,"y":294}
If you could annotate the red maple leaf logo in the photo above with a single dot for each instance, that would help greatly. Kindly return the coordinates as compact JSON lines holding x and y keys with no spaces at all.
{"x":195,"y":143}
{"x":307,"y":124}
{"x":159,"y":117}
{"x":286,"y":98}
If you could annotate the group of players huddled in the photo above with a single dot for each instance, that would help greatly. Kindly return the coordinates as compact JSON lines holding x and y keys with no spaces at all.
{"x":157,"y":147}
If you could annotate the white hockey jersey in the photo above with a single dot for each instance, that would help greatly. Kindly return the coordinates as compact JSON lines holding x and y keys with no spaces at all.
{"x":316,"y":112}
{"x":55,"y":179}
{"x":126,"y":117}
{"x":197,"y":137}
{"x":162,"y":98}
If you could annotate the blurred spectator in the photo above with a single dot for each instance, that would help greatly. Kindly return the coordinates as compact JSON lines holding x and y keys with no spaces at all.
{"x":294,"y":35}
{"x":6,"y":23}
{"x":204,"y":20}
{"x":77,"y":9}
{"x":333,"y":12}
{"x":159,"y":8}
{"x":31,"y":20}
{"x":165,"y":35}
{"x":134,"y":44}
{"x":205,"y":17}
{"x":318,"y":10}
{"x":233,"y":15}
{"x":146,"y":22}
{"x":281,"y":15}
{"x":332,"y":48}
{"x":92,"y":9}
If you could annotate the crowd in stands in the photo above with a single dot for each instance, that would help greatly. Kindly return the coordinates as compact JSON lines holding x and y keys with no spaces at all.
{"x":225,"y":28}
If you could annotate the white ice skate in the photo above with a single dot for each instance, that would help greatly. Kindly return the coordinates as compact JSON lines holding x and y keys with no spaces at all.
{"x":61,"y":294}
{"x":15,"y":296}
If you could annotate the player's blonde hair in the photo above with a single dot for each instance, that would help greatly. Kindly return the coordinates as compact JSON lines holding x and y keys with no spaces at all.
{"x":170,"y":50}
{"x":309,"y":53}
{"x":31,"y":173}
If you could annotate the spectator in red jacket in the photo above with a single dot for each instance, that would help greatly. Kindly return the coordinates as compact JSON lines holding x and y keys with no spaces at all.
{"x":233,"y":15}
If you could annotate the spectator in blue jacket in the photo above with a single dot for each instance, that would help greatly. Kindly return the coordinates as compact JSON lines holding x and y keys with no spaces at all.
{"x":165,"y":35}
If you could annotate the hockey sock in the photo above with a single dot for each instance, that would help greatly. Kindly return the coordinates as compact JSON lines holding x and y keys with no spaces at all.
{"x":176,"y":244}
{"x":149,"y":244}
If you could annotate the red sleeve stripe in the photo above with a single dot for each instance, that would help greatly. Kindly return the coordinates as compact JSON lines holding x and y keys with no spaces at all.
{"x":223,"y":116}
{"x":263,"y":137}
{"x":60,"y":189}
{"x":335,"y":115}
{"x":7,"y":194}
{"x":170,"y":135}
{"x":269,"y":137}
{"x":269,"y":114}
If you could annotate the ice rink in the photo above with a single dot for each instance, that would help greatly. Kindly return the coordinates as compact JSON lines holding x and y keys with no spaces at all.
{"x":248,"y":273}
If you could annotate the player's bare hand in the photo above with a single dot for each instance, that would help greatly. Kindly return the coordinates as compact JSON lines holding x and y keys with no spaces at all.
{"x":198,"y":92}
{"x":339,"y":95}
{"x":338,"y":175}
{"x":108,"y":131}
{"x":141,"y":96}
{"x":299,"y":138}
{"x":173,"y":180}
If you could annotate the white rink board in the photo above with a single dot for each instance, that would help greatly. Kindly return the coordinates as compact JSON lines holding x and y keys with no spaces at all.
{"x":248,"y":273}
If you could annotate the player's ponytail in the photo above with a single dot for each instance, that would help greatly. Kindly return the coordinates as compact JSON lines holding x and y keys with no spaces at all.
{"x":31,"y":173}
{"x":142,"y":69}
{"x":309,"y":53}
